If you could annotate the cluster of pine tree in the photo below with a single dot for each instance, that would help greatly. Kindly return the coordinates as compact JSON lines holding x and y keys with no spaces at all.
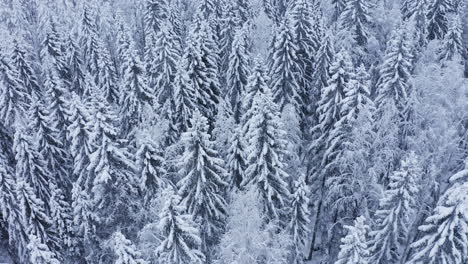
{"x":170,"y":131}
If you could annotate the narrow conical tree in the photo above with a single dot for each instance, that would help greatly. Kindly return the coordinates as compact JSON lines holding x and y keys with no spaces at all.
{"x":324,"y":59}
{"x":202,"y":68}
{"x":125,"y":251}
{"x":202,"y":182}
{"x":107,"y":78}
{"x":89,"y":40}
{"x":74,"y":60}
{"x":164,"y":65}
{"x":299,"y":224}
{"x":184,"y":98}
{"x":238,"y":72}
{"x":236,"y":160}
{"x":31,"y":167}
{"x":23,"y":66}
{"x":354,"y":244}
{"x":257,"y":84}
{"x":452,"y":47}
{"x":301,"y":17}
{"x":13,"y":97}
{"x":57,"y":98}
{"x":445,"y":231}
{"x":40,"y":252}
{"x":52,"y":55}
{"x":285,"y":69}
{"x":393,"y":83}
{"x":49,"y":144}
{"x":181,"y":240}
{"x":357,"y":20}
{"x":393,"y":217}
{"x":437,"y":18}
{"x":265,"y":152}
{"x":136,"y":93}
{"x":151,"y":166}
{"x":338,"y":8}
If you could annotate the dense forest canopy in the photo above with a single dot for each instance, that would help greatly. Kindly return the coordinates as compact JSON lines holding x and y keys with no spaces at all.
{"x":234,"y":131}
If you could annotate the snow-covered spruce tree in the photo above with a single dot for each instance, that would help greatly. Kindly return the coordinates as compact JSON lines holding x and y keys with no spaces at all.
{"x":354,"y":248}
{"x":155,"y":15}
{"x":323,"y":60}
{"x":301,"y":16}
{"x":9,"y":211}
{"x":300,"y":218}
{"x":164,"y":65}
{"x":62,"y":220}
{"x":125,"y":251}
{"x":202,"y":68}
{"x":229,"y":26}
{"x":184,"y":97}
{"x":393,"y":83}
{"x":39,"y":252}
{"x":275,"y":9}
{"x":394,"y":215}
{"x":31,"y":167}
{"x":445,"y":231}
{"x":202,"y":184}
{"x":438,"y":13}
{"x":75,"y":65}
{"x":33,"y":217}
{"x":111,"y":171}
{"x":238,"y":72}
{"x":356,"y":19}
{"x":79,"y":136}
{"x":208,"y":8}
{"x":257,"y":84}
{"x":408,"y":8}
{"x":181,"y":240}
{"x":89,"y":40}
{"x":151,"y":167}
{"x":236,"y":159}
{"x":57,"y":98}
{"x":452,"y":47}
{"x":23,"y":66}
{"x":135,"y":90}
{"x":285,"y":69}
{"x":14,"y":99}
{"x":357,"y":96}
{"x":419,"y":19}
{"x":330,"y":104}
{"x":107,"y":77}
{"x":49,"y":144}
{"x":265,"y":152}
{"x":52,"y":50}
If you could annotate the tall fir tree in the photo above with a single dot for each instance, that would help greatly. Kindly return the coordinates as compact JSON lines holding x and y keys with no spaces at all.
{"x":151,"y":167}
{"x":14,"y":99}
{"x":135,"y":89}
{"x":354,"y":244}
{"x":394,"y":214}
{"x":285,"y":69}
{"x":23,"y":65}
{"x":236,"y":159}
{"x":49,"y":144}
{"x":181,"y":240}
{"x":257,"y":84}
{"x":437,"y":18}
{"x":267,"y":148}
{"x":238,"y":72}
{"x":164,"y":65}
{"x":125,"y":251}
{"x":444,"y":233}
{"x":452,"y":47}
{"x":202,"y":184}
{"x":75,"y":65}
{"x":300,"y":218}
{"x":356,"y":18}
{"x":393,"y":83}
